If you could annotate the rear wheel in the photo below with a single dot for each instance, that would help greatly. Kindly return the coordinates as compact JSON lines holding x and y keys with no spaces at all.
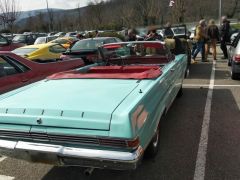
{"x":153,"y":147}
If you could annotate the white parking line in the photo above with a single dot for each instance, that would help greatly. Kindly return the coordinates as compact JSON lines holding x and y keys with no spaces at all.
{"x":207,"y":85}
{"x":199,"y":173}
{"x":2,"y":177}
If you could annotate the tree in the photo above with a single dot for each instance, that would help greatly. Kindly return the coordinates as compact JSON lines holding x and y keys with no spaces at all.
{"x":51,"y":17}
{"x":234,"y":7}
{"x":96,"y":8}
{"x":9,"y":10}
{"x":178,"y":11}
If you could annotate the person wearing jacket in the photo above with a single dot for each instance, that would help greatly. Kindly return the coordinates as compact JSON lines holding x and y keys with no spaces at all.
{"x":224,"y":36}
{"x":200,"y":38}
{"x":213,"y":37}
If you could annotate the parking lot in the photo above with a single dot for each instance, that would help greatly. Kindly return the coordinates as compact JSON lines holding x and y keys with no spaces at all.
{"x":199,"y":136}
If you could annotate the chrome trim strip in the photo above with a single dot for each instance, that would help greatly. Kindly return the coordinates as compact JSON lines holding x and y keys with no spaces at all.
{"x":8,"y":144}
{"x":72,"y":152}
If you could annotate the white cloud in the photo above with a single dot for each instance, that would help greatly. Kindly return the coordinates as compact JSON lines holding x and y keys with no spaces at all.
{"x":26,"y":5}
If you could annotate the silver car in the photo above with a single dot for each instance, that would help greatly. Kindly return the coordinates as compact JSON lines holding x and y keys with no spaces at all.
{"x":234,"y":57}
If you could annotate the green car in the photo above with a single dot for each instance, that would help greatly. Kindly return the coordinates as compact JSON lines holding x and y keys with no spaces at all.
{"x":105,"y":115}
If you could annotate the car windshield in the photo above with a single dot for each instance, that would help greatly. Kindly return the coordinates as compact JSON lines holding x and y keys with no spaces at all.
{"x":40,"y":40}
{"x":179,"y":30}
{"x":133,"y":49}
{"x":3,"y":40}
{"x":90,"y":44}
{"x":19,"y":38}
{"x":24,"y":51}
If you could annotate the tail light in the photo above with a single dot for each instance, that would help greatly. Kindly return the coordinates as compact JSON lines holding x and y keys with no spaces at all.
{"x":237,"y":58}
{"x":132,"y":144}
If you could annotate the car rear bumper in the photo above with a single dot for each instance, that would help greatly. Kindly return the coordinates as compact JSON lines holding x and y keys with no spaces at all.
{"x":70,"y":156}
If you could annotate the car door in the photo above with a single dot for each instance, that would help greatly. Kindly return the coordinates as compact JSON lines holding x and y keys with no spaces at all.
{"x":13,"y":74}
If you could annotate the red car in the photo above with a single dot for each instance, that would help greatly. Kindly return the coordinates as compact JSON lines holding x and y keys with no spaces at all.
{"x":16,"y":71}
{"x":6,"y":45}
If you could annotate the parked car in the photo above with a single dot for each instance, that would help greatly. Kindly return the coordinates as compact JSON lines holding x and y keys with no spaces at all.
{"x":67,"y":42}
{"x":16,"y":71}
{"x":7,"y":45}
{"x":9,"y":36}
{"x":71,"y":34}
{"x":179,"y":31}
{"x":60,"y":34}
{"x":87,"y":49}
{"x":43,"y":40}
{"x":105,"y":115}
{"x":234,"y":57}
{"x":26,"y":39}
{"x":41,"y":52}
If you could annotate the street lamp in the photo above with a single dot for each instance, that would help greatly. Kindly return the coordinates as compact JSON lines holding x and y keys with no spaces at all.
{"x":220,"y":11}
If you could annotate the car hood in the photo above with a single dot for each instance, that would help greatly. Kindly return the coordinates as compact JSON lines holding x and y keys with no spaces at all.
{"x":71,"y":103}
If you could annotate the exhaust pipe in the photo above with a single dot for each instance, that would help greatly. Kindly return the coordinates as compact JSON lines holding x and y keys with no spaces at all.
{"x":88,"y":172}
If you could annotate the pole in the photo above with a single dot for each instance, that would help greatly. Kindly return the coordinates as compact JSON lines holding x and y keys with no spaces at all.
{"x":220,"y":11}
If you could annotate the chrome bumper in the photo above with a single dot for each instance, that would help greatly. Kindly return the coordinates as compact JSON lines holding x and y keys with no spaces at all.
{"x":70,"y":156}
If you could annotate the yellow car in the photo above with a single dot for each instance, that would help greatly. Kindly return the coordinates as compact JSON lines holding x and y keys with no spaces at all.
{"x":41,"y":52}
{"x":64,"y":41}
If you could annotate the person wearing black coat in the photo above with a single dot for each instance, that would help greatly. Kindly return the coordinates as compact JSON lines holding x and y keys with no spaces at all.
{"x":224,"y":36}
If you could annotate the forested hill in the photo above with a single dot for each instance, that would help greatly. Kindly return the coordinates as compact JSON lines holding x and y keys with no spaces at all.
{"x":115,"y":14}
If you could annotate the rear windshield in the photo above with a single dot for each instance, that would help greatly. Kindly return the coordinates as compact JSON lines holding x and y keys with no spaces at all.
{"x":91,"y":44}
{"x":23,"y":51}
{"x":40,"y":40}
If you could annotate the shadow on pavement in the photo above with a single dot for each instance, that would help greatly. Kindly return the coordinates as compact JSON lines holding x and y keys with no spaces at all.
{"x":180,"y":133}
{"x":223,"y":157}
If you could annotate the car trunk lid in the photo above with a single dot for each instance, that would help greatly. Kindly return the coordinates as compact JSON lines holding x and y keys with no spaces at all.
{"x":72,"y":103}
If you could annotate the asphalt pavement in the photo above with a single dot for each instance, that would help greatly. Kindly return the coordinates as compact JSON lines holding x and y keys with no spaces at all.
{"x":199,"y":137}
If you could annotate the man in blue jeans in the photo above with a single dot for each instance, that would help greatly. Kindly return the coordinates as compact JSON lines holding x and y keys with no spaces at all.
{"x":200,"y":37}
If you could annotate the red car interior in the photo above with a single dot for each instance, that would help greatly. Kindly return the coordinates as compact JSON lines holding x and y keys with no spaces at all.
{"x":112,"y":72}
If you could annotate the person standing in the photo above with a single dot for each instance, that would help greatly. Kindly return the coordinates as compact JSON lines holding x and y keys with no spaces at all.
{"x":224,"y":36}
{"x":213,"y":35}
{"x":96,"y":33}
{"x":131,"y":35}
{"x":168,"y":32}
{"x":200,"y":37}
{"x":153,"y":36}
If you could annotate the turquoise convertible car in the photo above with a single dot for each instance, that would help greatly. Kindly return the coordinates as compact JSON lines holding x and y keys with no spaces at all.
{"x":104,"y":115}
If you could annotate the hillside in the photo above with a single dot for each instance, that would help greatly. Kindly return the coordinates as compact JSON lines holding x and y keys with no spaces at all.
{"x":115,"y":14}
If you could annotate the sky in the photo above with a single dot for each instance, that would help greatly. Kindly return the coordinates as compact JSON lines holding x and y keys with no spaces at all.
{"x":26,"y":5}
